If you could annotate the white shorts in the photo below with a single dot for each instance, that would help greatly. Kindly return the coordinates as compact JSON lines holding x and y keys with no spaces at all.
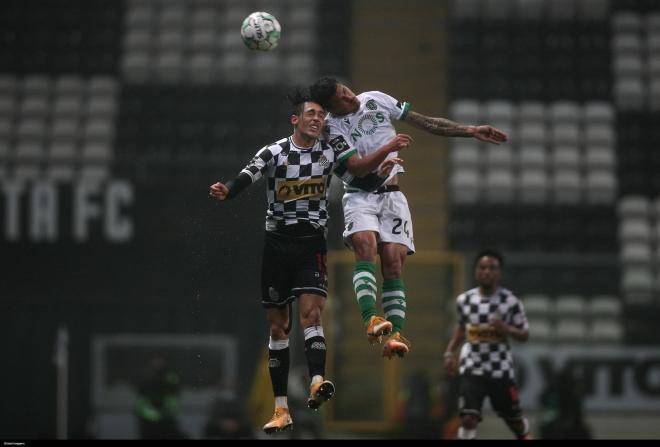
{"x":386,"y":213}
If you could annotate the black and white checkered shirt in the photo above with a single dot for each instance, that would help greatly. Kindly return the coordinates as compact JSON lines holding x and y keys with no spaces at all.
{"x":485,"y":353}
{"x":298,"y":179}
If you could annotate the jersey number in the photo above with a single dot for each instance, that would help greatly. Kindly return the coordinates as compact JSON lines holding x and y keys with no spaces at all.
{"x":397,"y":229}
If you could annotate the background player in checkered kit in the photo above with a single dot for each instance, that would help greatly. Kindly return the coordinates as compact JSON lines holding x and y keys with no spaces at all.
{"x":381,"y":223}
{"x":487,"y":316}
{"x":298,"y":171}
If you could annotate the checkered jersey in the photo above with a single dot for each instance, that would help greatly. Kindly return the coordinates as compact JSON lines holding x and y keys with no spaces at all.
{"x":485,"y":353}
{"x":298,"y":179}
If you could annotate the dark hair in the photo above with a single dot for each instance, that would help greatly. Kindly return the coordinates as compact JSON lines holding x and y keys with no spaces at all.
{"x":489,"y":252}
{"x":323,"y":90}
{"x":297,"y":97}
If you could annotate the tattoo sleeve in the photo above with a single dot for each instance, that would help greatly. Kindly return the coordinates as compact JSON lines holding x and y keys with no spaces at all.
{"x":439,"y":126}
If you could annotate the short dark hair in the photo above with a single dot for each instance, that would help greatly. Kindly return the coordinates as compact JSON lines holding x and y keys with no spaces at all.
{"x":323,"y":90}
{"x":297,"y":98}
{"x":489,"y":252}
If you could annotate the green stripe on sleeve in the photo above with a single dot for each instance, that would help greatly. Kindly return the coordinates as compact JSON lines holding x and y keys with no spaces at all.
{"x":406,"y":107}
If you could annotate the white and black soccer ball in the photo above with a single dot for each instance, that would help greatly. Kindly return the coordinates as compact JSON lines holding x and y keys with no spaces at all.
{"x":261,"y":31}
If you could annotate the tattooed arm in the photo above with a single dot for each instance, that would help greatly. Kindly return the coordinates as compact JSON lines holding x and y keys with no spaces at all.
{"x":448,"y":128}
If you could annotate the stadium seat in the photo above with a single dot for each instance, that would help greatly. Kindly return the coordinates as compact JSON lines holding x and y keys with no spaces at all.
{"x":537,"y":305}
{"x":466,"y":9}
{"x":601,"y":186}
{"x":565,"y":134}
{"x":64,"y":173}
{"x":30,"y":151}
{"x":627,"y":45}
{"x":497,"y":9}
{"x":561,"y":10}
{"x":465,"y":156}
{"x":532,"y":134}
{"x":465,"y":111}
{"x":498,"y":110}
{"x":63,"y":151}
{"x":499,"y":157}
{"x":564,"y":112}
{"x":567,"y":186}
{"x":629,"y":93}
{"x":655,"y":209}
{"x":605,"y":306}
{"x":605,"y":331}
{"x":26,"y":171}
{"x":598,"y":158}
{"x":532,"y":157}
{"x":465,"y":186}
{"x":598,"y":112}
{"x":626,"y":22}
{"x":540,"y":330}
{"x":533,"y":186}
{"x":654,"y":95}
{"x":570,"y":306}
{"x":652,"y":23}
{"x":499,"y":185}
{"x":637,"y":279}
{"x":530,"y":9}
{"x":636,"y":206}
{"x":599,"y":135}
{"x":634,"y":229}
{"x":566,"y":156}
{"x":635,"y":254}
{"x":594,"y":10}
{"x":531,"y":112}
{"x":570,"y":331}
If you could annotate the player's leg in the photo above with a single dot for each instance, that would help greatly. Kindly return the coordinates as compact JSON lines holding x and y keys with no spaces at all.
{"x":472,"y":392}
{"x":278,"y":367}
{"x":504,"y":398}
{"x":393,"y":298}
{"x":310,"y":284}
{"x":275,"y":296}
{"x":320,"y":389}
{"x":361,"y":225}
{"x":396,"y":236}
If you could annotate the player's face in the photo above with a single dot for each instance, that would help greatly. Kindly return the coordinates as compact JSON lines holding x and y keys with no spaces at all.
{"x":310,"y":122}
{"x":344,"y":101}
{"x":488,"y":272}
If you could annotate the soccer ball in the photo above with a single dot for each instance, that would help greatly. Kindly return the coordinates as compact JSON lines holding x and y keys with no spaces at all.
{"x":260,"y":31}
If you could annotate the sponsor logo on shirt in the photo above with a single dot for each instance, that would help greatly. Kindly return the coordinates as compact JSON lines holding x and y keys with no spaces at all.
{"x":482,"y":333}
{"x":367,"y":125}
{"x":288,"y":190}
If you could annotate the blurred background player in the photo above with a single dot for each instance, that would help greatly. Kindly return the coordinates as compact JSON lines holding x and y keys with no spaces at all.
{"x":299,"y":170}
{"x":487,"y":316}
{"x":381,"y":223}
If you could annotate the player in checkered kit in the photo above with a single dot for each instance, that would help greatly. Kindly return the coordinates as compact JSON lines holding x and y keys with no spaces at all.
{"x":487,"y":316}
{"x":298,"y":171}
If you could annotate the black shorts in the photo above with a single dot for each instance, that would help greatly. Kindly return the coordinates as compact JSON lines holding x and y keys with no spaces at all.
{"x":293,"y":265}
{"x":503,"y":395}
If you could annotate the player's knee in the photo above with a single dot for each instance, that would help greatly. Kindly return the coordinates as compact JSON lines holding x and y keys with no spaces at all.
{"x":469,"y":421}
{"x":278,"y":328}
{"x":311,"y":317}
{"x":392,"y":269}
{"x":365,"y":247}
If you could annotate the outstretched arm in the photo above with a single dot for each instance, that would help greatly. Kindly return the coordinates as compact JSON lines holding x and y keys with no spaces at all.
{"x":221,"y":191}
{"x":448,"y":128}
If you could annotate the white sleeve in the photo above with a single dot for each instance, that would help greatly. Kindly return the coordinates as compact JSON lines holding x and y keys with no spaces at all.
{"x":396,"y":109}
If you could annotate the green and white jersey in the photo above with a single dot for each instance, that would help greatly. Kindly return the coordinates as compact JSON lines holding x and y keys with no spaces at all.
{"x":370,"y":127}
